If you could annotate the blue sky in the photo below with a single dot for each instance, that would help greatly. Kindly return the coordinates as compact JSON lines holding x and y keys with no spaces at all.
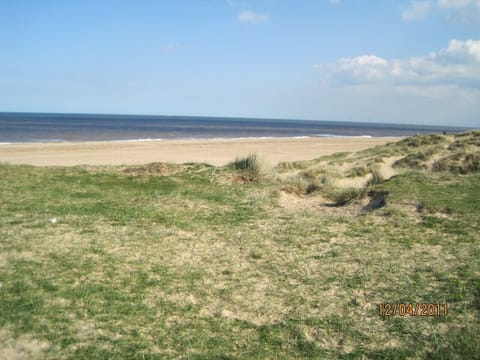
{"x":348,"y":60}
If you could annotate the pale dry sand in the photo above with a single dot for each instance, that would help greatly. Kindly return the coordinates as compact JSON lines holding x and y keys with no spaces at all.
{"x":215,"y":152}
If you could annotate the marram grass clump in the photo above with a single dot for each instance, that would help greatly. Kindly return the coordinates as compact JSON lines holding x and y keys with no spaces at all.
{"x":415,"y":160}
{"x":349,"y":195}
{"x":253,"y":165}
{"x":377,"y":177}
{"x":461,"y":163}
{"x":357,"y":171}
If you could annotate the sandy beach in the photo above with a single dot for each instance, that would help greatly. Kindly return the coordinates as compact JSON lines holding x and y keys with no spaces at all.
{"x":215,"y":152}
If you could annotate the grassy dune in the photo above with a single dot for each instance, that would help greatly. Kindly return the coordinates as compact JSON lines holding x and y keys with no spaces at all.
{"x":198,"y":262}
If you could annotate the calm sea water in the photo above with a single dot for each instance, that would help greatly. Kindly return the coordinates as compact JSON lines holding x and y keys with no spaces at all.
{"x":42,"y":127}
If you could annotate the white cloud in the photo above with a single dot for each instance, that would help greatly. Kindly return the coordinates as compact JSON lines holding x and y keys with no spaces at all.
{"x":469,"y":49}
{"x":417,"y":10}
{"x":333,"y":1}
{"x":253,"y":18}
{"x":364,"y":68}
{"x":458,"y":64}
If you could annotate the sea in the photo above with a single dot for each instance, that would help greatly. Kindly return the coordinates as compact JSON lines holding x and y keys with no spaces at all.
{"x":45,"y":127}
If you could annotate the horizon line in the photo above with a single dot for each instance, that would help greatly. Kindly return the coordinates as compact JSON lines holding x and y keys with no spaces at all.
{"x":238,"y":117}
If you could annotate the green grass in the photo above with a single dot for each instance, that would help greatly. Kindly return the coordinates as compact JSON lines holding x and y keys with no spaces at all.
{"x":187,"y":262}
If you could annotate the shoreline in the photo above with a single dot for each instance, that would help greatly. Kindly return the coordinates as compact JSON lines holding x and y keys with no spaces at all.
{"x":216,"y":152}
{"x":318,"y":136}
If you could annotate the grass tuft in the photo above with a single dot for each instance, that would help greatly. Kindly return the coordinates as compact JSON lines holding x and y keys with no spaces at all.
{"x":348,"y":196}
{"x":358,"y":171}
{"x":462,"y":163}
{"x":377,"y":177}
{"x":252,"y":165}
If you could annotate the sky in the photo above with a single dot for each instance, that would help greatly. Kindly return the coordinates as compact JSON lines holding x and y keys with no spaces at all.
{"x":414,"y":62}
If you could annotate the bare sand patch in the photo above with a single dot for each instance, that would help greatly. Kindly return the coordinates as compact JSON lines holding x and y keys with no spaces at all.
{"x":215,"y":152}
{"x":24,"y":347}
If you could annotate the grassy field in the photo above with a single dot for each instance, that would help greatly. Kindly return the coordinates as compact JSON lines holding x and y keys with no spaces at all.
{"x":199,"y":262}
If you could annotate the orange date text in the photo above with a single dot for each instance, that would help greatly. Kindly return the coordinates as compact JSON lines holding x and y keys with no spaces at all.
{"x":412,"y":309}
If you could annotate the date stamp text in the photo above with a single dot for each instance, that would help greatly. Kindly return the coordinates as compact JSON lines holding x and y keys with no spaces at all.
{"x":412,"y":309}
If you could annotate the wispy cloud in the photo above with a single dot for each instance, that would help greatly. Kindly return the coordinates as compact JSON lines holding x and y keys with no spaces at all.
{"x":417,"y":10}
{"x":171,"y":48}
{"x":252,"y":17}
{"x":467,"y":11}
{"x":457,"y":4}
{"x":334,"y":1}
